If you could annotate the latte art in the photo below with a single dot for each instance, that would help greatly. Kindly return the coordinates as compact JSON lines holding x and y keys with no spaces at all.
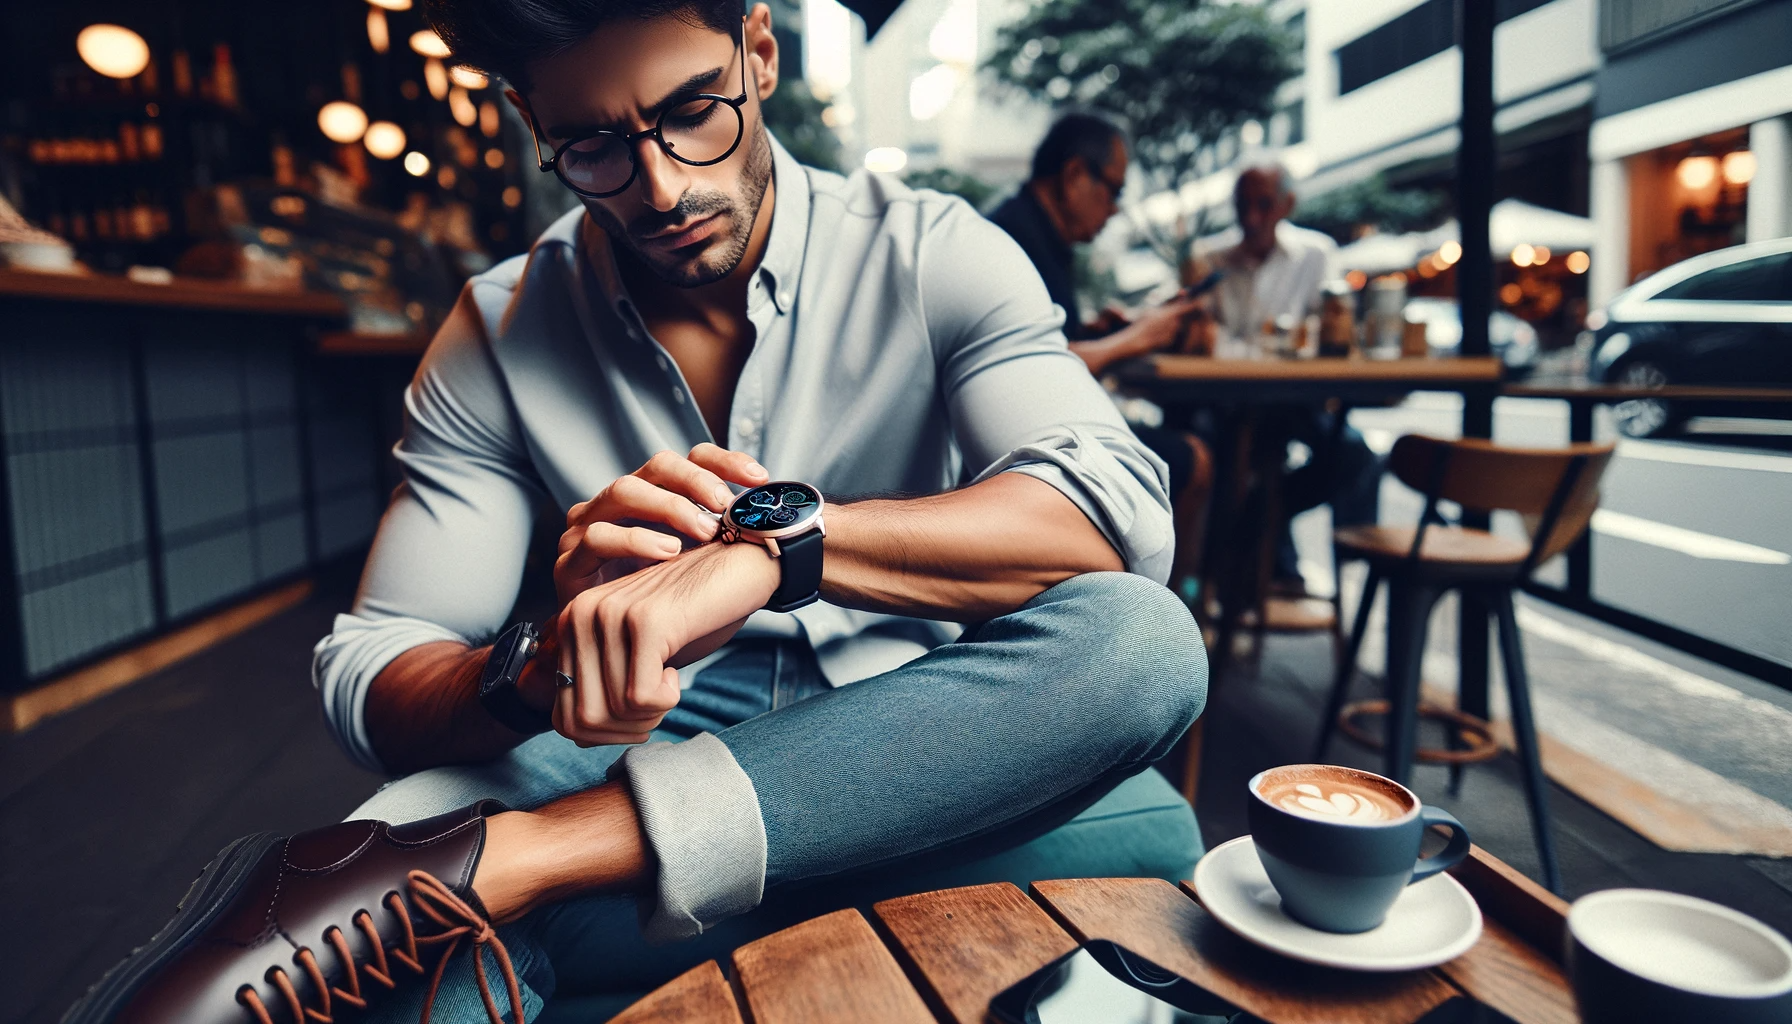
{"x":1334,"y":793}
{"x":1310,"y":799}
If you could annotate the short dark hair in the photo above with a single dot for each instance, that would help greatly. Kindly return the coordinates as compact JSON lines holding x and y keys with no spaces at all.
{"x":503,"y":36}
{"x":1088,"y":136}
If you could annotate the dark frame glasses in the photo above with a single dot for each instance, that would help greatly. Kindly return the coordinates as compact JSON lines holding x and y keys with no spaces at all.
{"x":629,"y":140}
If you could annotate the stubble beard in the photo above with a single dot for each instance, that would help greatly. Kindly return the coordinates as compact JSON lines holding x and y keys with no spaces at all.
{"x":718,"y":259}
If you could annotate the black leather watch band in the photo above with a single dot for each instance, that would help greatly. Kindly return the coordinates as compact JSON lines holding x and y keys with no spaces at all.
{"x":497,"y":685}
{"x":799,"y":559}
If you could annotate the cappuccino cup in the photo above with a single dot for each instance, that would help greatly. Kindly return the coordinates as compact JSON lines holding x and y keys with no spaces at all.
{"x":1340,"y":844}
{"x":1640,"y":955}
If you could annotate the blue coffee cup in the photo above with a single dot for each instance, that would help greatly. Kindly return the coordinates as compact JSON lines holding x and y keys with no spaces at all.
{"x":1639,"y":956}
{"x":1340,"y":844}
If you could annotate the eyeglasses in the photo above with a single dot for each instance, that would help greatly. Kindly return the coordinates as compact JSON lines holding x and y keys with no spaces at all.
{"x":1113,"y":189}
{"x":698,"y":130}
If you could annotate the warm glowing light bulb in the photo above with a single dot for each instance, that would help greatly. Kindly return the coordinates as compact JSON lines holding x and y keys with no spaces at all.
{"x":435,"y":76}
{"x":489,"y":119}
{"x":1695,"y":172}
{"x":1739,"y":167}
{"x":1578,"y":262}
{"x":1449,"y":252}
{"x":416,"y":164}
{"x":392,"y":5}
{"x":427,"y":43}
{"x":886,"y":160}
{"x":461,"y":106}
{"x":384,"y":139}
{"x":1539,"y":255}
{"x":1511,"y":294}
{"x":467,"y":78}
{"x":379,"y":34}
{"x":1523,"y":255}
{"x":113,"y":50}
{"x":342,"y":121}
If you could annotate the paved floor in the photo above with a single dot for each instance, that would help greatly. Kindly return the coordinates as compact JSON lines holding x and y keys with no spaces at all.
{"x":108,"y":812}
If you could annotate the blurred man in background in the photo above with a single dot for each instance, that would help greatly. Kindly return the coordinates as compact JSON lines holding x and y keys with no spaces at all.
{"x":1079,"y":170}
{"x":1272,"y":277}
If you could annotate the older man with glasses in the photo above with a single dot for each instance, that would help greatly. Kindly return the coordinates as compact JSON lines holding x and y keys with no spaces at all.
{"x":961,"y":528}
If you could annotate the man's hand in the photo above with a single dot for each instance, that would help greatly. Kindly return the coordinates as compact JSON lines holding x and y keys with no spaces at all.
{"x":1156,"y":329}
{"x":622,"y":641}
{"x":602,"y":541}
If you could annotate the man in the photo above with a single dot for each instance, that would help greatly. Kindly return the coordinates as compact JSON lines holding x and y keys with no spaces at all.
{"x":714,"y":297}
{"x":1078,"y":172}
{"x":1274,"y":273}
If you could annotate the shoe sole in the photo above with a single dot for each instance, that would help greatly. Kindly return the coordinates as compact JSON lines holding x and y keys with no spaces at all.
{"x":206,"y":898}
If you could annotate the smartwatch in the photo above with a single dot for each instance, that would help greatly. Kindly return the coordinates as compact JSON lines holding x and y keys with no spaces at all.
{"x":497,"y":685}
{"x":784,"y":516}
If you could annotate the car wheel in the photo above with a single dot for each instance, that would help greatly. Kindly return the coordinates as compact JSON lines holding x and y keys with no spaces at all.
{"x":1643,"y":417}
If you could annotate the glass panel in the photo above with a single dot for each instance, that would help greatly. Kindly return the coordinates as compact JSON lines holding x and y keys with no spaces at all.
{"x":1760,"y":280}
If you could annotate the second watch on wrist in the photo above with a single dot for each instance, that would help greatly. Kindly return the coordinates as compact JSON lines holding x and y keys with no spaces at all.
{"x":497,"y":684}
{"x":784,"y":516}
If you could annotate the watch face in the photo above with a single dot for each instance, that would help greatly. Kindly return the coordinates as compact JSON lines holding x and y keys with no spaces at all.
{"x":775,"y":507}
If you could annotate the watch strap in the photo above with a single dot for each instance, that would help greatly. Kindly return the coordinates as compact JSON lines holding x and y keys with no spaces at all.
{"x":799,"y":560}
{"x":497,"y":685}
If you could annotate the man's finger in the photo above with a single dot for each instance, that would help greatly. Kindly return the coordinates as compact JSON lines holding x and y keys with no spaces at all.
{"x":735,"y":467}
{"x":634,"y":497}
{"x":684,"y":476}
{"x":601,"y":542}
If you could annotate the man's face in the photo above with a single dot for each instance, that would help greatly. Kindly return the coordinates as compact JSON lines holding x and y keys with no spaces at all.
{"x":1091,"y":195}
{"x":689,"y":225}
{"x":1259,"y":202}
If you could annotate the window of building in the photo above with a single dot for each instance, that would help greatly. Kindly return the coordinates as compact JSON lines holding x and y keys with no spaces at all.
{"x":1425,"y":31}
{"x":1768,"y":279}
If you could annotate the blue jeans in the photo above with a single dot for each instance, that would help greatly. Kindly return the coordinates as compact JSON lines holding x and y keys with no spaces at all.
{"x":977,"y":746}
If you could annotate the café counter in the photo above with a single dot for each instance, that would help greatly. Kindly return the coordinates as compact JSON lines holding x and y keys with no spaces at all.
{"x":171,"y":450}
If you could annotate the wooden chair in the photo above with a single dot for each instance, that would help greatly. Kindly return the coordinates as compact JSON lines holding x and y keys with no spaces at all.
{"x":1556,"y":490}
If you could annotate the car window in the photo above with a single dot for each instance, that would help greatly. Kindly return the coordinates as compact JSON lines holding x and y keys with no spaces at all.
{"x":1767,"y":279}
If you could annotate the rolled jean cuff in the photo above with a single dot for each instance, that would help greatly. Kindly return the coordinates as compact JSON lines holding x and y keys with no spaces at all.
{"x":701,"y":816}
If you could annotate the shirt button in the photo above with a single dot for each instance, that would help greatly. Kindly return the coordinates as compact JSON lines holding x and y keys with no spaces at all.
{"x":678,"y":395}
{"x":785,"y":299}
{"x":662,"y":361}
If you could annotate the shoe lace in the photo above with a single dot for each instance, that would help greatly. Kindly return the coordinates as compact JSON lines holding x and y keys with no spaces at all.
{"x":459,"y":922}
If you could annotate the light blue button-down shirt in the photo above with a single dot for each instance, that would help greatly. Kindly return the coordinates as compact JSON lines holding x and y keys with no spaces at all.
{"x":904,"y":345}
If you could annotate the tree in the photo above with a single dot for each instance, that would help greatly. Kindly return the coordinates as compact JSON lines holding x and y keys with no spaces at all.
{"x":1180,"y":74}
{"x":794,"y":115}
{"x":1344,"y":211}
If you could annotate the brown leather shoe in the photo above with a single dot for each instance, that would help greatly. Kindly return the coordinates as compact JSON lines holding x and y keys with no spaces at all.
{"x":296,"y":929}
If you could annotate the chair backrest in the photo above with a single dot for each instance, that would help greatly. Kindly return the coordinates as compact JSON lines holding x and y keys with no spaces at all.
{"x":1555,"y":489}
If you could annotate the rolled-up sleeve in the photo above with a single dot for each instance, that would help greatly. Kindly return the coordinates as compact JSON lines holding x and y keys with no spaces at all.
{"x":1020,"y":402}
{"x":448,"y":557}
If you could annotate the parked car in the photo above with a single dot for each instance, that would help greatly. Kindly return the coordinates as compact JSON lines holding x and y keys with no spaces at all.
{"x":1513,"y":340}
{"x":1723,"y":317}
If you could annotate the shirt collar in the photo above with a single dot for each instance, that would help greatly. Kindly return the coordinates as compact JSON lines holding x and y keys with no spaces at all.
{"x":785,"y":245}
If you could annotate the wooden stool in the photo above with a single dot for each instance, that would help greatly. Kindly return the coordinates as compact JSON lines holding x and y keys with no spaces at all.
{"x":1557,"y":491}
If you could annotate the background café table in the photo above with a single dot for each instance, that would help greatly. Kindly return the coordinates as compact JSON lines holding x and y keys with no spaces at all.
{"x":942,"y":956}
{"x":1242,"y":391}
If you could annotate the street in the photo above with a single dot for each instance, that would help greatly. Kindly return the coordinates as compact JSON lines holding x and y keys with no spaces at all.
{"x":1690,"y":532}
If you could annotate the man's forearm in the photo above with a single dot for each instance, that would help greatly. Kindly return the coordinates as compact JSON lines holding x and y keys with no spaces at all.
{"x":423,"y":709}
{"x":965,"y":556}
{"x":1102,"y":353}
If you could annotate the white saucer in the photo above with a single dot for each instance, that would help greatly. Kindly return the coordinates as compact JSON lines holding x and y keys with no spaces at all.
{"x":1432,"y":921}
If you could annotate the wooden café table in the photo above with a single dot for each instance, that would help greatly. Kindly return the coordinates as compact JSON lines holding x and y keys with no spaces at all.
{"x":942,"y":956}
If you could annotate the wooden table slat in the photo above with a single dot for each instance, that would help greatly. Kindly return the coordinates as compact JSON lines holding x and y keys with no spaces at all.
{"x":698,"y":996}
{"x":968,"y":945}
{"x":1153,"y":919}
{"x":1513,"y":978}
{"x":1533,"y":913}
{"x":831,"y":968}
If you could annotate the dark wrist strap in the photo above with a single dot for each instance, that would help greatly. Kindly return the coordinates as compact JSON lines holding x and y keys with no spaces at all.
{"x":799,"y":559}
{"x":507,"y":706}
